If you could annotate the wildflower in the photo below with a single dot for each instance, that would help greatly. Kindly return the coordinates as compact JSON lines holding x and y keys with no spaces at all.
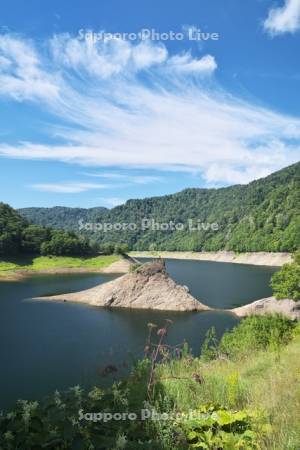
{"x":162,"y":332}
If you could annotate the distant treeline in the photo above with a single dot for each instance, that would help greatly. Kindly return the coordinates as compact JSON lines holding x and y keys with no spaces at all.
{"x":18,"y":236}
{"x":260,"y":216}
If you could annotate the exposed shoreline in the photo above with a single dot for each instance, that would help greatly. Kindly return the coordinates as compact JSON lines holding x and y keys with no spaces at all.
{"x":163,"y":284}
{"x":271,"y":305}
{"x":150,"y":287}
{"x":118,"y":267}
{"x":256,"y":258}
{"x":122,"y":266}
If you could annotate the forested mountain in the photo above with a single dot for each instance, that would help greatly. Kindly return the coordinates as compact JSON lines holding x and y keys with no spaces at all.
{"x":62,"y":217}
{"x":260,"y":216}
{"x":19,"y":237}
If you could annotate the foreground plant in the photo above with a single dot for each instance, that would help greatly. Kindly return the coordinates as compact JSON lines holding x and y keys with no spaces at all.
{"x":215,"y":427}
{"x":286,"y":282}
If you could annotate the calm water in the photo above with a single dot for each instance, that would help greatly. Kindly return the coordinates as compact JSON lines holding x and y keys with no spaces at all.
{"x":46,"y":346}
{"x":222,"y":285}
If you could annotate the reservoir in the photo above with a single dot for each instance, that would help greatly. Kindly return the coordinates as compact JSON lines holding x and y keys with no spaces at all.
{"x":46,"y":346}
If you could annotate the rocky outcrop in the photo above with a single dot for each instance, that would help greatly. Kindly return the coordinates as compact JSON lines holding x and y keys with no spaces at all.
{"x":148,"y":287}
{"x":270,"y":305}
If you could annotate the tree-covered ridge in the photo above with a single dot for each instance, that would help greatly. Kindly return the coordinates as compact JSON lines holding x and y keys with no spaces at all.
{"x":260,"y":216}
{"x":61,"y":217}
{"x":17,"y":236}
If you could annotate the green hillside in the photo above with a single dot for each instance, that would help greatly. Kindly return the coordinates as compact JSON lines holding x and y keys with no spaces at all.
{"x":61,"y":217}
{"x":19,"y":237}
{"x":260,"y":216}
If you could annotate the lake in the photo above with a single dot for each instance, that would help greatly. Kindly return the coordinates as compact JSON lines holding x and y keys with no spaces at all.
{"x":46,"y":346}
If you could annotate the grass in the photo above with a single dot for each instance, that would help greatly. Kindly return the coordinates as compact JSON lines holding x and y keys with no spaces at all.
{"x":10,"y":266}
{"x":266,"y":381}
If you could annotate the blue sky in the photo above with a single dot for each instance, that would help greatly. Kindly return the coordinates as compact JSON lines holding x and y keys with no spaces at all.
{"x":88,"y":124}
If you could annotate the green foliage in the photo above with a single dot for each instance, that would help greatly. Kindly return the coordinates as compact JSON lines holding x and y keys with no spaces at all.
{"x":216,"y":427}
{"x":33,"y":237}
{"x":11,"y":226}
{"x":252,"y":334}
{"x":17,"y":236}
{"x":108,"y":248}
{"x":71,"y":419}
{"x":286,"y":282}
{"x":61,"y":217}
{"x":120,"y":249}
{"x":65,"y":243}
{"x":56,"y":423}
{"x":260,"y":216}
{"x":297,"y":257}
{"x":210,"y":346}
{"x":257,"y":333}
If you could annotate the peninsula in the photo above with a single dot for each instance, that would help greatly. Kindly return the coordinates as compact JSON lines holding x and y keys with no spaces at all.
{"x":145,"y":287}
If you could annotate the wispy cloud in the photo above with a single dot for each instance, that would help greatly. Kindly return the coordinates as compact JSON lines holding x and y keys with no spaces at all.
{"x":22,"y":76}
{"x":135,"y":179}
{"x":135,"y":106}
{"x":68,"y":188}
{"x":284,"y":19}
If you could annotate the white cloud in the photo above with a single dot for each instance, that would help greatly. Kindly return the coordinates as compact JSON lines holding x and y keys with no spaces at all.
{"x":186,"y":64}
{"x":107,"y":57}
{"x":145,"y":179}
{"x":21,"y":75}
{"x":138,"y":179}
{"x":145,"y":55}
{"x":68,"y":188}
{"x":152,"y":111}
{"x":285,"y":19}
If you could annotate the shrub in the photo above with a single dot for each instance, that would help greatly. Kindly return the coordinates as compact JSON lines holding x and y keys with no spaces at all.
{"x":257,"y":333}
{"x":286,"y":282}
{"x":33,"y":236}
{"x":121,"y":249}
{"x":65,"y":243}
